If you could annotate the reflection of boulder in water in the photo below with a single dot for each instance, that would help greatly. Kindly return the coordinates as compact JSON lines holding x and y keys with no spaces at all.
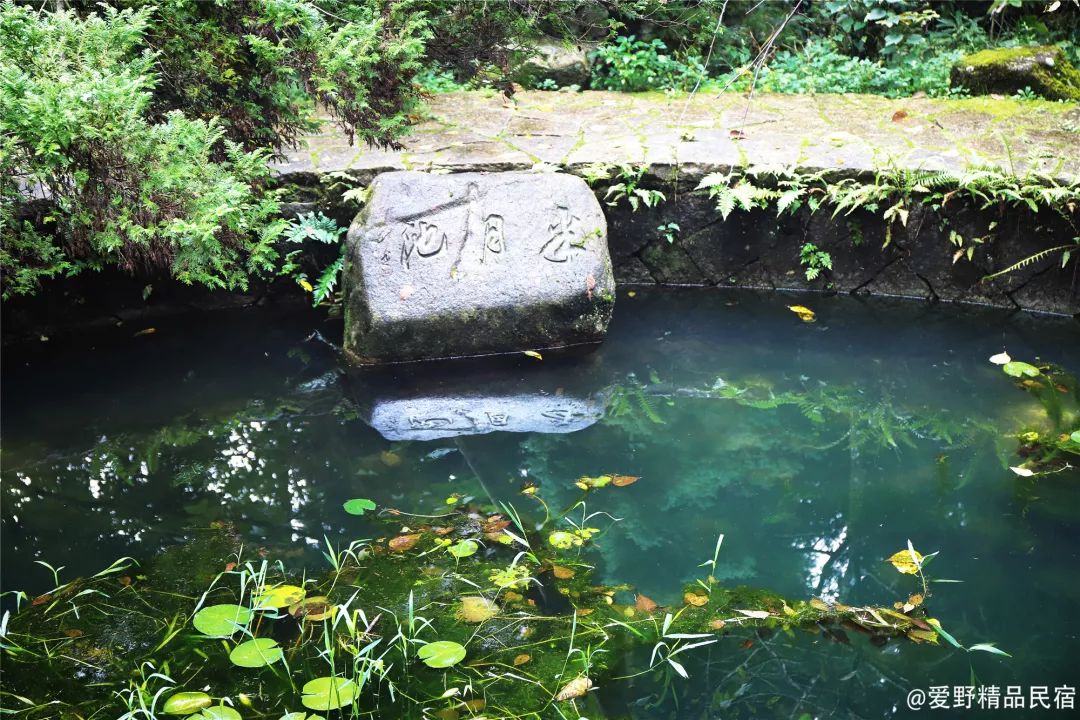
{"x":431,"y":418}
{"x":477,"y":397}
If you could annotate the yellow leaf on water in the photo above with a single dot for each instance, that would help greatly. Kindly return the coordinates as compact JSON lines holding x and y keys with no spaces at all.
{"x":563,"y":573}
{"x":696,"y":600}
{"x":921,"y":636}
{"x":307,"y":286}
{"x":574,"y":689}
{"x":805,"y":314}
{"x":147,"y":331}
{"x":903,"y":561}
{"x":532,"y":354}
{"x":521,"y":659}
{"x":476,"y":609}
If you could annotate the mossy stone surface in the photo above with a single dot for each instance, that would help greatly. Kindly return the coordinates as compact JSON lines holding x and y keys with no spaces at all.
{"x":1045,"y":70}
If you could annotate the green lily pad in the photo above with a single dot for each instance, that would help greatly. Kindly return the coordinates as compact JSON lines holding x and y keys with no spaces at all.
{"x":442,"y":654}
{"x":217,"y":712}
{"x":358,"y":506}
{"x":463,"y":548}
{"x":186,"y":703}
{"x":221,"y":620}
{"x":1017,"y":368}
{"x":561,"y":540}
{"x":256,"y":653}
{"x":301,"y":716}
{"x":329,"y":693}
{"x":1075,"y":436}
{"x":278,"y":596}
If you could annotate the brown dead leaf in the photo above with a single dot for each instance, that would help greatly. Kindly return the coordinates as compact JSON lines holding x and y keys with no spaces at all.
{"x":41,"y":599}
{"x":899,"y":115}
{"x":440,"y":531}
{"x":403,"y":543}
{"x":73,"y":633}
{"x":696,"y":600}
{"x":736,"y":134}
{"x":495,"y":523}
{"x":230,"y":566}
{"x":644,"y":604}
{"x":563,"y":573}
{"x":582,"y":612}
{"x":747,"y":644}
{"x":521,"y":659}
{"x":574,"y":689}
{"x":717,"y":624}
{"x":624,"y":480}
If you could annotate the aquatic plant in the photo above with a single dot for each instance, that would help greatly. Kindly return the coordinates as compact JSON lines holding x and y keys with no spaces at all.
{"x":393,"y":627}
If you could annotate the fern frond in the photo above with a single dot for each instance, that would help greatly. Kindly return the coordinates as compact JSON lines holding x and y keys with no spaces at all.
{"x":1028,"y":261}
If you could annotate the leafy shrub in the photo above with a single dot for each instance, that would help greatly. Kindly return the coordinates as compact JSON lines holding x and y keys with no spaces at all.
{"x":112,"y":187}
{"x":634,"y":65}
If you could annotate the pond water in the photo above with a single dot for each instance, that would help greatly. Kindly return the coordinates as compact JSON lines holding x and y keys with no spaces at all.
{"x":817,"y":449}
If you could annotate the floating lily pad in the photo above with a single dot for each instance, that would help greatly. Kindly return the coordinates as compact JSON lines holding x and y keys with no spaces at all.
{"x":221,"y":620}
{"x":256,"y":653}
{"x":186,"y":703}
{"x":301,"y":716}
{"x":442,"y":654}
{"x":278,"y":596}
{"x":313,"y":609}
{"x":1017,"y":369}
{"x":358,"y":506}
{"x":562,"y":540}
{"x":329,"y":693}
{"x":217,"y":712}
{"x":476,"y":609}
{"x":463,"y":548}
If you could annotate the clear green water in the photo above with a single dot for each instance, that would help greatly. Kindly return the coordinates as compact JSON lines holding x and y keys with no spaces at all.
{"x":119,"y":445}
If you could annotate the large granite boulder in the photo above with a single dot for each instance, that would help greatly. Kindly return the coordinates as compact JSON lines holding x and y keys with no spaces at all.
{"x":476,"y":263}
{"x":562,"y":64}
{"x":1044,"y":70}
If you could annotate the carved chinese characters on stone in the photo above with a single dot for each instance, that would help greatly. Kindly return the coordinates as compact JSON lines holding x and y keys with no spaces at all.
{"x":475,"y":263}
{"x":565,"y":232}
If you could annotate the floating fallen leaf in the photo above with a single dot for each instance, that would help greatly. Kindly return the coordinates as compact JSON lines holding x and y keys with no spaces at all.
{"x":921,"y":636}
{"x":532,"y":354}
{"x":495,"y":523}
{"x":230,"y":566}
{"x":563,"y":573}
{"x":574,"y":689}
{"x":632,"y":293}
{"x":717,"y":624}
{"x":124,"y":580}
{"x":1022,"y":471}
{"x":586,"y":483}
{"x":756,"y":614}
{"x":915,"y":600}
{"x":146,"y":331}
{"x":736,"y":134}
{"x":695,"y":599}
{"x":403,"y":543}
{"x":1016,"y":368}
{"x":805,"y":314}
{"x":582,"y":612}
{"x":644,"y":604}
{"x":899,"y":115}
{"x":390,"y":458}
{"x":521,"y":659}
{"x":41,"y":599}
{"x":73,"y":633}
{"x":1001,"y":358}
{"x":819,"y":604}
{"x":903,"y":561}
{"x":476,"y":609}
{"x":406,"y":292}
{"x":307,"y":286}
{"x":624,"y":480}
{"x":747,"y":644}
